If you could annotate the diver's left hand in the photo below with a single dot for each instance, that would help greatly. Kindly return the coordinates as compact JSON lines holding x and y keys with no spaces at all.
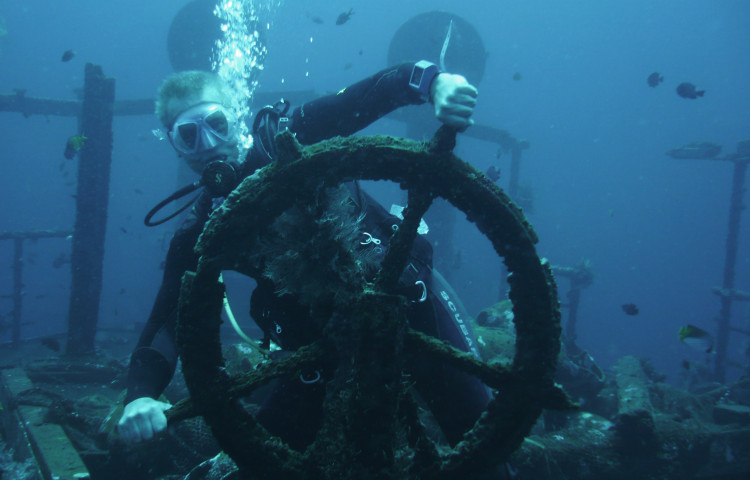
{"x":454,"y":99}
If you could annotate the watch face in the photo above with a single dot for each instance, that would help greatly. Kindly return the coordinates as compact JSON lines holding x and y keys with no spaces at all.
{"x":416,"y":76}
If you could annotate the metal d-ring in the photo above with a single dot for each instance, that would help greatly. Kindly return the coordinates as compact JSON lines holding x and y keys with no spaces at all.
{"x":424,"y":292}
{"x":370,"y":239}
{"x":309,"y":381}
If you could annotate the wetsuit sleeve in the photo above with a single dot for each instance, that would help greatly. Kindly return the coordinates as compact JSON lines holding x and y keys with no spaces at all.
{"x":154,"y":359}
{"x":356,"y":106}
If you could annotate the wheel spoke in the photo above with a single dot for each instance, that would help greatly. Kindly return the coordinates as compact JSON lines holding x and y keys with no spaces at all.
{"x":402,"y":240}
{"x":494,"y":376}
{"x":244,"y":384}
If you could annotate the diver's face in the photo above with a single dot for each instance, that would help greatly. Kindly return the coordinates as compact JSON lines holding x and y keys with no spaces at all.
{"x":203,"y":132}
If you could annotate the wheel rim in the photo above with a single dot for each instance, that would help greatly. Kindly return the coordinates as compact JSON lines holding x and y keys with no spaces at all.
{"x":427,"y":171}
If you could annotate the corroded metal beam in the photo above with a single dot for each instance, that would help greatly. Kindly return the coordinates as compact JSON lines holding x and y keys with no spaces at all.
{"x":91,"y":211}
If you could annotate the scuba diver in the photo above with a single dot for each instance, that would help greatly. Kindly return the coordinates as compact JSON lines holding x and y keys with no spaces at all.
{"x":195,"y":108}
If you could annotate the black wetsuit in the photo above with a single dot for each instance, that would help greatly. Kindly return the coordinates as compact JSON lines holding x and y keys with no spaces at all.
{"x":293,"y":404}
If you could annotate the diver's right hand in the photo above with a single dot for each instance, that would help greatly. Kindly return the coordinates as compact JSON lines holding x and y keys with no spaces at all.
{"x":454,"y":99}
{"x":142,"y":419}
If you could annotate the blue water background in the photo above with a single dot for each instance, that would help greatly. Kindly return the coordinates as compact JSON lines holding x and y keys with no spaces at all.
{"x":653,"y":227}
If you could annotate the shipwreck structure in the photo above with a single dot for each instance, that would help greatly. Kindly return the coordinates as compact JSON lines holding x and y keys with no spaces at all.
{"x":727,"y":292}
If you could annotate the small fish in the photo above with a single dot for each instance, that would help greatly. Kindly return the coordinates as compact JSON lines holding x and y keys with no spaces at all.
{"x":696,"y":150}
{"x":361,"y":52}
{"x":517,"y":76}
{"x":122,"y":290}
{"x":696,"y":338}
{"x":138,"y":191}
{"x":344,"y":17}
{"x":688,"y":90}
{"x":493,"y":173}
{"x":78,"y":141}
{"x":654,"y":80}
{"x":123,"y":230}
{"x":74,"y":145}
{"x":315,"y":19}
{"x":348,"y":65}
{"x":52,"y":343}
{"x":630,"y":309}
{"x":68,"y":55}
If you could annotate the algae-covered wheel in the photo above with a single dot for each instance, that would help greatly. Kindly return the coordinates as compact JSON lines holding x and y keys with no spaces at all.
{"x":370,"y":429}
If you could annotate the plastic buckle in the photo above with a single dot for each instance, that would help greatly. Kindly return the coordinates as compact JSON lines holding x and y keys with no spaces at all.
{"x":283,"y":124}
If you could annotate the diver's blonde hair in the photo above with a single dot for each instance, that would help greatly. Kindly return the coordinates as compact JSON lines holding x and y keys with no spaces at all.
{"x":181,"y":90}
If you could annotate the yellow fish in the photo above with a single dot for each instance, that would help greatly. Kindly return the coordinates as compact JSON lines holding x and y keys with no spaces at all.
{"x":696,"y":338}
{"x":75,"y":143}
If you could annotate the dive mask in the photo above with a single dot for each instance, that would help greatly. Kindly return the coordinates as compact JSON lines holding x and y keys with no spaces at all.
{"x":202,"y":127}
